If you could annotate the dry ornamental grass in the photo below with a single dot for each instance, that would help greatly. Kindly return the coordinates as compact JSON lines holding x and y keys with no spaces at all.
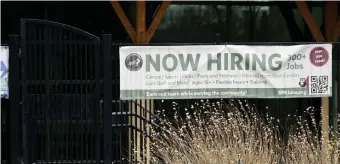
{"x":234,"y":133}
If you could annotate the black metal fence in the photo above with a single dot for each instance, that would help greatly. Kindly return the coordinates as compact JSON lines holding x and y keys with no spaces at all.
{"x":57,"y":102}
{"x":64,"y":99}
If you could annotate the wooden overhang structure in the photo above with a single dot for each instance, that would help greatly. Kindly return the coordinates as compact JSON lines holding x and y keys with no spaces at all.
{"x":142,"y":35}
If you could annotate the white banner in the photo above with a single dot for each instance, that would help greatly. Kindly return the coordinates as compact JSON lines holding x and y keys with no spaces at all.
{"x":4,"y":71}
{"x":225,"y":71}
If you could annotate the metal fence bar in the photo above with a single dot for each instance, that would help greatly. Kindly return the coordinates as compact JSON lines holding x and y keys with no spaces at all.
{"x":107,"y":97}
{"x":335,"y":85}
{"x":47,"y":91}
{"x":97,"y":108}
{"x":14,"y":92}
{"x":24,"y":92}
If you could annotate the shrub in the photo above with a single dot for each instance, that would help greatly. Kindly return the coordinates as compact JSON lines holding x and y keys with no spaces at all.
{"x":234,"y":132}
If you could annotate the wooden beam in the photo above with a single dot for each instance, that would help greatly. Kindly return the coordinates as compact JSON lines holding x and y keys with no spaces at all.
{"x":330,"y":19}
{"x":157,"y":19}
{"x":141,"y":22}
{"x":124,"y":19}
{"x":308,"y":17}
{"x":140,"y":39}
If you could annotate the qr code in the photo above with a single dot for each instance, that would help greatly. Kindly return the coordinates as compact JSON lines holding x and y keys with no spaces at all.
{"x":319,"y":84}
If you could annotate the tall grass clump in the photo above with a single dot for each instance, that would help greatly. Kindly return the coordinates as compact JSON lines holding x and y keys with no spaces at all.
{"x":233,"y":132}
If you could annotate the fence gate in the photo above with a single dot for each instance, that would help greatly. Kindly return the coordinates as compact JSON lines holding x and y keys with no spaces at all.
{"x":60,"y":73}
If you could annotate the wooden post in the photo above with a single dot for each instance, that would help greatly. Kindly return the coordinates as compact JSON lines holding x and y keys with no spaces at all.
{"x":140,"y":36}
{"x":141,"y":22}
{"x":318,"y":36}
{"x":330,"y":17}
{"x":140,"y":39}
